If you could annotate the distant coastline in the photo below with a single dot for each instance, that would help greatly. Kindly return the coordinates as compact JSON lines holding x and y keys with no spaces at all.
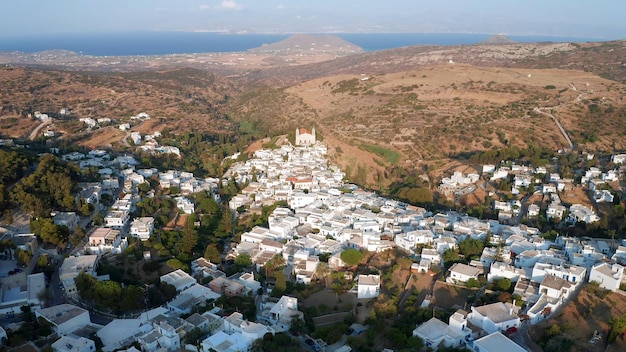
{"x":164,"y":43}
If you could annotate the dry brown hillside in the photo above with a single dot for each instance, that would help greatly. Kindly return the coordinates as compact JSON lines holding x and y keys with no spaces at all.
{"x":572,"y":329}
{"x":183,"y":99}
{"x":434,"y":112}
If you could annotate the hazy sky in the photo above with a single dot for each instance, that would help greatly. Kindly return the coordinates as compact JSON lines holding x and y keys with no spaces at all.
{"x":603,"y":19}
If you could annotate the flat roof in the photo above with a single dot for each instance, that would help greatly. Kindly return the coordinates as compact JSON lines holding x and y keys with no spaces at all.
{"x":497,"y":342}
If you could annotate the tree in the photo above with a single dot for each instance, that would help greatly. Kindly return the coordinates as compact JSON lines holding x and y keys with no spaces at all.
{"x":503,"y":284}
{"x":23,"y":257}
{"x":472,"y":283}
{"x":618,"y":326}
{"x":322,"y":271}
{"x":450,"y":257}
{"x":243,"y":260}
{"x":281,"y":283}
{"x":351,"y":257}
{"x":471,"y":247}
{"x":212,"y":254}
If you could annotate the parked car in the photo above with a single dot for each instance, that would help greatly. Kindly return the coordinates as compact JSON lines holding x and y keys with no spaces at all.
{"x":511,"y":330}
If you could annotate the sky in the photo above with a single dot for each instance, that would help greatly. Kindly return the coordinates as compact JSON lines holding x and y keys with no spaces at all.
{"x":602,"y":19}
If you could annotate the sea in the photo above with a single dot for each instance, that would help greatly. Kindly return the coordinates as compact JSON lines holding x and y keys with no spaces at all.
{"x":163,"y":43}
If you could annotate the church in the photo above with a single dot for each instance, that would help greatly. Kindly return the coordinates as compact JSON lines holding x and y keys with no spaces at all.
{"x":305,"y":137}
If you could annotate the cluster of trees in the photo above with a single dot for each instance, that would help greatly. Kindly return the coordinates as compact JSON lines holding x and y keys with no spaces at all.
{"x":203,"y":153}
{"x":466,"y":250}
{"x":13,"y":166}
{"x":48,"y":231}
{"x":50,"y":187}
{"x":535,"y":155}
{"x":110,"y":294}
{"x":204,"y":231}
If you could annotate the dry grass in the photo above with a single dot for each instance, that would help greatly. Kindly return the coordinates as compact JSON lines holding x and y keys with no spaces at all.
{"x":584,"y":315}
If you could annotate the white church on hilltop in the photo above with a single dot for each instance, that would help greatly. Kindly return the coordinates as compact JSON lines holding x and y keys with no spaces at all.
{"x":305,"y":137}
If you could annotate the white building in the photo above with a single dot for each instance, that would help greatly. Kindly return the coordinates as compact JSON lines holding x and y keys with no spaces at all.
{"x":142,"y":228}
{"x":117,"y":219}
{"x":280,"y":315}
{"x":496,"y":342}
{"x":436,"y":333}
{"x":179,"y":279}
{"x":69,"y":343}
{"x":305,"y":137}
{"x":609,"y":276}
{"x":65,"y":318}
{"x":72,"y":266}
{"x":368,"y":286}
{"x":460,"y":272}
{"x":495,"y":317}
{"x":104,"y":239}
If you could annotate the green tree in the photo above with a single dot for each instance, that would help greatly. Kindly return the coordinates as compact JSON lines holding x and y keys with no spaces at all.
{"x":503,"y":284}
{"x":472,"y":283}
{"x":450,"y":257}
{"x":471,"y":247}
{"x":23,"y":257}
{"x":243,"y":260}
{"x":351,"y":256}
{"x":618,"y":326}
{"x":281,"y":283}
{"x":212,"y":254}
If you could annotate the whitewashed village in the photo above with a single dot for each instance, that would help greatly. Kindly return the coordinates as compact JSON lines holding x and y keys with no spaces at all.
{"x":320,"y":217}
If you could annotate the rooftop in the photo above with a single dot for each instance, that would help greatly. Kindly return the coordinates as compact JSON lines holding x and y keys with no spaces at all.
{"x":497,"y":342}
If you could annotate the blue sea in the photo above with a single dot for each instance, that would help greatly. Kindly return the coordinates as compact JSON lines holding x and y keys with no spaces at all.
{"x":163,"y":43}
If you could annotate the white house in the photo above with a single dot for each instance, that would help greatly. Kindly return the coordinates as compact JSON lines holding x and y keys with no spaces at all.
{"x":495,"y":317}
{"x":104,"y":239}
{"x":368,"y":286}
{"x":609,"y":276}
{"x":65,"y":318}
{"x":179,"y":279}
{"x":581,"y":213}
{"x":436,"y":333}
{"x":501,"y":270}
{"x":555,"y":287}
{"x":460,"y":272}
{"x":280,"y":315}
{"x":142,"y":228}
{"x":496,"y":342}
{"x":72,"y":267}
{"x":117,"y":219}
{"x":70,"y":343}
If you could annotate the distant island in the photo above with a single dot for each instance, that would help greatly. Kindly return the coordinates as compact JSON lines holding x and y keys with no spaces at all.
{"x":498,"y":39}
{"x":310,"y":42}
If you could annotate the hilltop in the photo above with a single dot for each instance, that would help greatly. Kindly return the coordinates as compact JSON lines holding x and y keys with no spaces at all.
{"x":498,"y":39}
{"x":308,"y":43}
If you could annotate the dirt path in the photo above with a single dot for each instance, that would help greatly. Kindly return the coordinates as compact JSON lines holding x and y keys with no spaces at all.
{"x":558,"y":124}
{"x":37,"y":129}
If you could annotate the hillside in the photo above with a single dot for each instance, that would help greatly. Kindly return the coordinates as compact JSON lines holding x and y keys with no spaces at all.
{"x":308,"y":43}
{"x":572,"y":328}
{"x":183,"y":99}
{"x":414,"y":108}
{"x":432,"y":113}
